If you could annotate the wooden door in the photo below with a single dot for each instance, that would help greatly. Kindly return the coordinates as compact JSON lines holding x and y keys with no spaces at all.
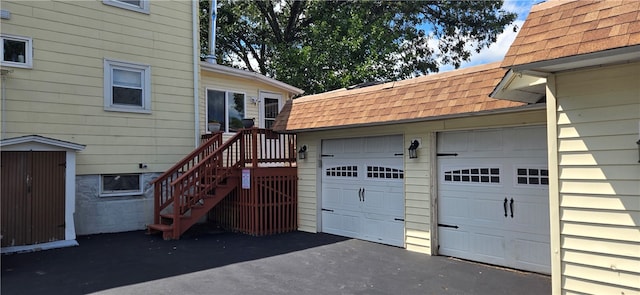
{"x":32,"y":197}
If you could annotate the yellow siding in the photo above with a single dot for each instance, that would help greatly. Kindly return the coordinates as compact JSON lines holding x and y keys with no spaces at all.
{"x":62,"y":95}
{"x":419,"y":184}
{"x":251,"y":88}
{"x":598,"y":123}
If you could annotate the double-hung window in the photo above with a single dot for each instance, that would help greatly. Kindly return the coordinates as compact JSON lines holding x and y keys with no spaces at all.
{"x":135,"y":5}
{"x":226,"y":108}
{"x":16,"y":51}
{"x":127,"y":87}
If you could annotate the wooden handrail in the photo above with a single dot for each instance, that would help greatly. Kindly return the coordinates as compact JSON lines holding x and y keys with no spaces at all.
{"x":163,"y":190}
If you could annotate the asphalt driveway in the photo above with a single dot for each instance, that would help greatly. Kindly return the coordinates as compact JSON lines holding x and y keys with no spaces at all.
{"x":210,"y":262}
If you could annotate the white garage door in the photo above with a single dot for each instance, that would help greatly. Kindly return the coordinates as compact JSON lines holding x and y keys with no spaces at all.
{"x":493,"y":204}
{"x":363,"y":188}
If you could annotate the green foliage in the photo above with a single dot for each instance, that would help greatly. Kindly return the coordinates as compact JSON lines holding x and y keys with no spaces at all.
{"x":323,"y":45}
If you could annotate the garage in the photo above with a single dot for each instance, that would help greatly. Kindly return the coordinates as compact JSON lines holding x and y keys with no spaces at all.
{"x":493,"y":202}
{"x":363,"y":188}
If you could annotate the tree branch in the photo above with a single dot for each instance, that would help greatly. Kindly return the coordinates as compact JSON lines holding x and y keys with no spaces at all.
{"x":266,"y":7}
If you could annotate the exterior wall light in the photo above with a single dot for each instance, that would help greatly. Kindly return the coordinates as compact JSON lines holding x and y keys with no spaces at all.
{"x":302,"y":153}
{"x":413,"y":149}
{"x":638,"y":143}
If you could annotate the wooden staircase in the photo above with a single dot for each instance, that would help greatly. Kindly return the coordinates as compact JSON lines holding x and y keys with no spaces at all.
{"x":185,"y":193}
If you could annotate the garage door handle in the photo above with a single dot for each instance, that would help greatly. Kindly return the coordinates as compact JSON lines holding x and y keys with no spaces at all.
{"x":360,"y":195}
{"x":505,"y":207}
{"x":329,"y":210}
{"x":363,"y":194}
{"x":511,"y":206}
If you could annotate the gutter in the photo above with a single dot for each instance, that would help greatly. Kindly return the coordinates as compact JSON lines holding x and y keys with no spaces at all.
{"x":531,"y":107}
{"x":3,"y":106}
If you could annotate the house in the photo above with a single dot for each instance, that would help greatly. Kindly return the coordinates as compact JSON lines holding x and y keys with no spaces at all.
{"x":588,"y":55}
{"x":99,"y":98}
{"x":109,"y":81}
{"x":431,"y":164}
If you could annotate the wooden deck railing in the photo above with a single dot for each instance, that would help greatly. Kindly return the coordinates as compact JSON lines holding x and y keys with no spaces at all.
{"x":198,"y":175}
{"x":163,"y":190}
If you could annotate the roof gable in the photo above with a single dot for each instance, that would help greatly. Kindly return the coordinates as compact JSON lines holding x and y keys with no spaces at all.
{"x":558,"y":29}
{"x":422,"y":98}
{"x":41,"y":140}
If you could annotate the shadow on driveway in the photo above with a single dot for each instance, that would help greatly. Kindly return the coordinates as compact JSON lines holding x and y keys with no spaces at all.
{"x":106,"y":261}
{"x":227,"y":263}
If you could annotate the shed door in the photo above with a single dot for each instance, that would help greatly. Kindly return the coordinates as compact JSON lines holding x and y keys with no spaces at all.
{"x":363,"y":188}
{"x":33,"y":197}
{"x":493,"y":201}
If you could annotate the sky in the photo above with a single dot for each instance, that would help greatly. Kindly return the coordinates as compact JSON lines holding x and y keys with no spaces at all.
{"x":497,"y":50}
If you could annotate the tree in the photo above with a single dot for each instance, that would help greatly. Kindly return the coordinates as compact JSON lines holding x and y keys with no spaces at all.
{"x":324,"y":45}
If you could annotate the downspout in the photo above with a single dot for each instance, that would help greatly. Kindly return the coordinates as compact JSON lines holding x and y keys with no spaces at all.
{"x":4,"y":75}
{"x":211,"y":58}
{"x":196,"y":71}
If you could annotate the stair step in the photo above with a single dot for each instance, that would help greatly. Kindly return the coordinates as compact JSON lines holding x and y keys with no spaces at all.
{"x":160,"y":227}
{"x":167,"y":215}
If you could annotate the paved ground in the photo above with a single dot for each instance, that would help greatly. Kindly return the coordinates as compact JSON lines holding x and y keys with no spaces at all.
{"x":226,"y":263}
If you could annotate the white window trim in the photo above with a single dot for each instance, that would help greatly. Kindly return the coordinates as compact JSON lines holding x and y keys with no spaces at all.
{"x":28,"y":64}
{"x":121,"y":193}
{"x":109,"y":66}
{"x":226,"y":113}
{"x":125,"y":5}
{"x":263,"y":95}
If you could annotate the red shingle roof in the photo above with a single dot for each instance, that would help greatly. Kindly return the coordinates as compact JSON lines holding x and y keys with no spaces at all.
{"x":561,"y":28}
{"x":449,"y":93}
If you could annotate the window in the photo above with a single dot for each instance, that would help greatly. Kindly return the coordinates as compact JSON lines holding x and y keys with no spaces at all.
{"x":384,"y":172}
{"x":344,"y":171}
{"x":16,"y":51}
{"x":532,"y":176}
{"x":226,"y":108}
{"x":120,"y":185}
{"x":135,"y":5}
{"x":271,"y":109}
{"x":471,"y":175}
{"x":127,"y":87}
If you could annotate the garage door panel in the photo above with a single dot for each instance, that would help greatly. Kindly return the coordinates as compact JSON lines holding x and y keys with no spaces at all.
{"x":363,"y":183}
{"x":341,"y":223}
{"x":514,"y":164}
{"x":528,"y":139}
{"x":457,"y":241}
{"x":530,"y":217}
{"x":452,"y":208}
{"x":345,"y":198}
{"x":345,"y":148}
{"x":488,"y":212}
{"x":382,"y":231}
{"x":453,"y":141}
{"x":488,"y":243}
{"x":530,"y":253}
{"x":484,"y":141}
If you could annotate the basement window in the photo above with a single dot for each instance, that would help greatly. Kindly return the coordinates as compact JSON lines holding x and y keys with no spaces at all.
{"x":115,"y":185}
{"x":16,"y":51}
